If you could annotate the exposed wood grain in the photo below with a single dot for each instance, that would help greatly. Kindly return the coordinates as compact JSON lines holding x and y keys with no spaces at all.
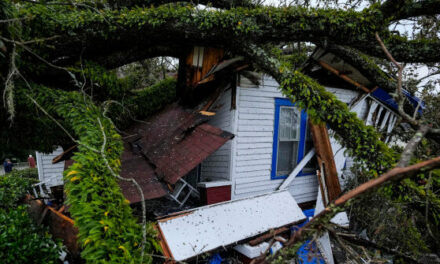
{"x":324,"y":154}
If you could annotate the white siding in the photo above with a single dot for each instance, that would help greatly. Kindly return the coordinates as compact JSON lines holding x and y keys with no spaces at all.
{"x":217,"y":165}
{"x":249,"y":166}
{"x":50,"y":174}
{"x":254,"y":142}
{"x":344,"y":95}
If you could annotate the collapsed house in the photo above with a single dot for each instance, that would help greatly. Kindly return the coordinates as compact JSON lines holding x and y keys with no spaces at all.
{"x":247,"y":155}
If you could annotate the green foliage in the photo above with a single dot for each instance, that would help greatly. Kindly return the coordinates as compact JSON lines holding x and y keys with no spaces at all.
{"x":14,"y":186}
{"x":108,"y":232}
{"x":153,"y":98}
{"x":30,"y":173}
{"x":243,"y":22}
{"x":22,"y":241}
{"x":389,"y":223}
{"x":323,"y":106}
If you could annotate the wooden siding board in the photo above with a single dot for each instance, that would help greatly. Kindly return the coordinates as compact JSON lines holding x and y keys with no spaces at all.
{"x":254,"y":157}
{"x":217,"y":165}
{"x":50,"y":174}
{"x":249,"y":110}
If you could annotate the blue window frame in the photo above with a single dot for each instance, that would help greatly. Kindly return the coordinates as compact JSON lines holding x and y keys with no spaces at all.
{"x":300,"y":148}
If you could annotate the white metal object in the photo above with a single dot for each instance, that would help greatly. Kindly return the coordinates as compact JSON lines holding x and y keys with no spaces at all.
{"x":323,"y":242}
{"x":297,"y":169}
{"x":206,"y":228}
{"x":250,"y":251}
{"x":41,"y":192}
{"x":180,"y":186}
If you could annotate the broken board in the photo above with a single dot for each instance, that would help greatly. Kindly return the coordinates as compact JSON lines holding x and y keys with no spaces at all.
{"x":206,"y":228}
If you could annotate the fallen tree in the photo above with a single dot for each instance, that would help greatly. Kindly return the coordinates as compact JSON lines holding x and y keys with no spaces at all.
{"x":52,"y":50}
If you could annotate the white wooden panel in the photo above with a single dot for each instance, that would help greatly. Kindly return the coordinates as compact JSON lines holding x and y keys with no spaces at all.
{"x":373,"y":107}
{"x":257,"y":105}
{"x":258,"y":93}
{"x":385,"y":120}
{"x":253,"y":168}
{"x":50,"y":174}
{"x":254,"y":162}
{"x":248,"y":110}
{"x":253,"y":151}
{"x":247,"y":128}
{"x":379,"y":112}
{"x":253,"y":174}
{"x":207,"y":228}
{"x":265,"y":173}
{"x":256,"y":116}
{"x":257,"y":99}
{"x":244,"y":140}
{"x":255,"y":122}
{"x":254,"y":146}
{"x":253,"y":134}
{"x":254,"y":143}
{"x":254,"y":157}
{"x":217,"y":165}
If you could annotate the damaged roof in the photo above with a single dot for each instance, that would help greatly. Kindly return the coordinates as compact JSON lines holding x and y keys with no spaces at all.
{"x":165,"y":148}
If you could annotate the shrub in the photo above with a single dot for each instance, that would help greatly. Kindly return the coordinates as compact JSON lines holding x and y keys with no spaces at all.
{"x":13,"y":187}
{"x":26,"y":173}
{"x":22,"y":241}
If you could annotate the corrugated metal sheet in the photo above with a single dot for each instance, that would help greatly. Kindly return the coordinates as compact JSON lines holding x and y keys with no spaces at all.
{"x":206,"y":228}
{"x":165,"y":148}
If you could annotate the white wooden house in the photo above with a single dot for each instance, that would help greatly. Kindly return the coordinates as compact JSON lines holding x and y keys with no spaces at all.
{"x":270,"y":133}
{"x":255,"y":146}
{"x":261,"y":122}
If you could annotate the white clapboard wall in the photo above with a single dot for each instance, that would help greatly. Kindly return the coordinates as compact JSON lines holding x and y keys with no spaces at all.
{"x":50,"y":174}
{"x":217,"y":166}
{"x":374,"y":113}
{"x":251,"y":150}
{"x":246,"y":160}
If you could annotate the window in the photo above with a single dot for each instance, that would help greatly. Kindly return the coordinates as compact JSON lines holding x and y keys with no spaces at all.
{"x":291,"y":139}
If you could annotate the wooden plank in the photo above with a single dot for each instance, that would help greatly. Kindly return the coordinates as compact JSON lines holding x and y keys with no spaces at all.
{"x":371,"y":110}
{"x":343,"y":76}
{"x":379,"y":113}
{"x":266,"y":236}
{"x":297,"y":169}
{"x":324,"y":153}
{"x":385,"y":120}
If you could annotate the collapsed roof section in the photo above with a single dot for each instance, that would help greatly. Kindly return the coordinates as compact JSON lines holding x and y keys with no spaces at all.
{"x":162,"y":149}
{"x":165,"y":148}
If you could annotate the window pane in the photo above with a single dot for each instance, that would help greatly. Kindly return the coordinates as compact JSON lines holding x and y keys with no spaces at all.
{"x":287,"y":156}
{"x":289,"y":124}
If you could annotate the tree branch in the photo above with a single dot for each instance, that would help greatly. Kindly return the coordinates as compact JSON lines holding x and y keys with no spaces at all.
{"x":214,"y":3}
{"x":401,"y":9}
{"x":316,"y":222}
{"x":412,"y":145}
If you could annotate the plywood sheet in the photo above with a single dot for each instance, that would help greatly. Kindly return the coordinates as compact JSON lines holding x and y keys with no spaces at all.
{"x":210,"y":227}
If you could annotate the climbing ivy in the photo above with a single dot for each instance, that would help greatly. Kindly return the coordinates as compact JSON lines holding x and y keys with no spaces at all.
{"x":108,"y":232}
